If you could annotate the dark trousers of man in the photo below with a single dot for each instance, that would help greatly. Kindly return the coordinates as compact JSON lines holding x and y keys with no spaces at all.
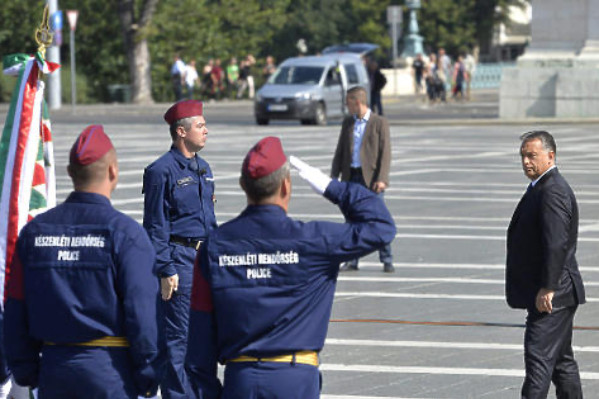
{"x":176,"y":325}
{"x":177,"y":86}
{"x":268,"y":380}
{"x":70,"y":372}
{"x":385,"y":255}
{"x":376,"y":101}
{"x":548,"y":355}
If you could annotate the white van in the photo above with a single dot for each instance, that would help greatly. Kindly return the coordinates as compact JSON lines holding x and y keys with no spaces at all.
{"x":311,"y":89}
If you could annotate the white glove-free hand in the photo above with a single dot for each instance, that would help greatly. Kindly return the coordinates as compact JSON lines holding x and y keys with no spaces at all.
{"x":318,"y":180}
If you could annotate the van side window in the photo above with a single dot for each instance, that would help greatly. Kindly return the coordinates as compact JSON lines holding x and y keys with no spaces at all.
{"x":332,"y":78}
{"x":352,"y":74}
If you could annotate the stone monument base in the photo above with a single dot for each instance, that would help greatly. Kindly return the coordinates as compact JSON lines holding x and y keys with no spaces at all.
{"x":549,"y":88}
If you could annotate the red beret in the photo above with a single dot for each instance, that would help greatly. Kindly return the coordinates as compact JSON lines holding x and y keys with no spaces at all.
{"x":90,"y":146}
{"x":264,"y":158}
{"x":183,"y":109}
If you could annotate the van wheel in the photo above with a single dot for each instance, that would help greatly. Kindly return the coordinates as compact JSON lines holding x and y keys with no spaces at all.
{"x":320,"y":117}
{"x":262,"y":121}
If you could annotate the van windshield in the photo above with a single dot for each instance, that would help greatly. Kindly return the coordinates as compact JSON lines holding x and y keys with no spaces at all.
{"x":296,"y":75}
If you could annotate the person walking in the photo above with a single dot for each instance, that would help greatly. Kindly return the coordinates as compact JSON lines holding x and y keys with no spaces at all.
{"x":178,"y":76}
{"x":191,"y":78}
{"x":264,"y":283}
{"x":377,"y":82}
{"x":542,"y":273}
{"x":82,"y":303}
{"x":178,"y":215}
{"x":363,"y":156}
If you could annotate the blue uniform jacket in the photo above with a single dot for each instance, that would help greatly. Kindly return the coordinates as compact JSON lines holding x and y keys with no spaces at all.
{"x":82,"y":271}
{"x":179,"y":201}
{"x":264,"y":283}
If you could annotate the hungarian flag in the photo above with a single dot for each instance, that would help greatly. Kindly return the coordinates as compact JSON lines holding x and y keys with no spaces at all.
{"x":27,"y":178}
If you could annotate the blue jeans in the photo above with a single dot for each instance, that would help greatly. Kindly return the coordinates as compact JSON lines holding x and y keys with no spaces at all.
{"x":385,"y":255}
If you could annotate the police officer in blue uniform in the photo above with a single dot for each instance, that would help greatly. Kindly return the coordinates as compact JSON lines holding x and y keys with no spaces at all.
{"x":178,"y":215}
{"x":264,"y":283}
{"x":81,"y":313}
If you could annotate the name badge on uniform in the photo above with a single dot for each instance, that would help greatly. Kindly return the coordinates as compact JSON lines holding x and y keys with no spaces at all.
{"x":185,"y":181}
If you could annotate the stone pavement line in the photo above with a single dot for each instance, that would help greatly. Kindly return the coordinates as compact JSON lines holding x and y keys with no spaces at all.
{"x":377,"y":294}
{"x":442,"y":344}
{"x":454,"y":324}
{"x":370,"y":368}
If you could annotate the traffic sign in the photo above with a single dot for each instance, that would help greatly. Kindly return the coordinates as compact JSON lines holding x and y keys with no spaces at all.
{"x":56,"y":21}
{"x":72,"y":16}
{"x":413,"y":4}
{"x":394,"y":15}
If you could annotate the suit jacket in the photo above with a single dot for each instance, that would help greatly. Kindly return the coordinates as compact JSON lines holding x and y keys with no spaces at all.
{"x":375,"y":152}
{"x":541,"y":245}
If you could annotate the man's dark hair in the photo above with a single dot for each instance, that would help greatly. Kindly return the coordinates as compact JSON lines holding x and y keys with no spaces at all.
{"x":264,"y":187}
{"x":359,"y":93}
{"x":546,"y":139}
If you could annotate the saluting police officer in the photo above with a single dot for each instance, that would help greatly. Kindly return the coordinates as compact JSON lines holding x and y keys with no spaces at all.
{"x":264,"y":283}
{"x":178,"y":215}
{"x":81,"y":312}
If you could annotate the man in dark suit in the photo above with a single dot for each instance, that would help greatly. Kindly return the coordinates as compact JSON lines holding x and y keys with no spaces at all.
{"x":542,"y":273}
{"x":363,"y":156}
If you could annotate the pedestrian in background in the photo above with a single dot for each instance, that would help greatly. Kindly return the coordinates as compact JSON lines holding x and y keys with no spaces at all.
{"x":269,"y":68}
{"x":470,"y":65}
{"x":542,"y":273}
{"x":418,"y":67}
{"x":177,"y":76}
{"x":377,"y":83}
{"x":264,"y":283}
{"x":232,"y":73}
{"x":178,"y":215}
{"x":363,"y":156}
{"x":250,"y":61}
{"x":217,"y":75}
{"x":191,"y":78}
{"x":459,"y":78}
{"x":81,"y":312}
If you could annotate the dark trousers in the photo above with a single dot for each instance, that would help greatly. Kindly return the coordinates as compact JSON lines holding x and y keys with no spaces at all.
{"x":267,"y":380}
{"x":176,"y":323}
{"x":548,"y":355}
{"x":385,"y":255}
{"x":72,"y":372}
{"x":376,"y":102}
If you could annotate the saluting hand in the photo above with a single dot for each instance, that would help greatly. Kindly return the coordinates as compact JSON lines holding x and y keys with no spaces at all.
{"x":543,"y":300}
{"x":168,"y":285}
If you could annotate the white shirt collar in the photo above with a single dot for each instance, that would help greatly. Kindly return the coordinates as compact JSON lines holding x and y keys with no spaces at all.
{"x":365,"y":118}
{"x":540,"y":177}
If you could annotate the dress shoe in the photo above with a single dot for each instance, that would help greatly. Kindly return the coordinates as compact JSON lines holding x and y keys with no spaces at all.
{"x":388,"y":268}
{"x":346,"y":267}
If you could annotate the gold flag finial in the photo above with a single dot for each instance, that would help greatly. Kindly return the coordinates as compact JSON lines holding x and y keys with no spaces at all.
{"x":43,"y":34}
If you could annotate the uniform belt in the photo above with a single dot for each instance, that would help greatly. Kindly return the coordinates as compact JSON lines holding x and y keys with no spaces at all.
{"x":120,"y":342}
{"x":188,"y":242}
{"x":303,"y":357}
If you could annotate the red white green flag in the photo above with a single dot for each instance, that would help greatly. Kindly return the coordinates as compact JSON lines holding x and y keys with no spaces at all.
{"x":27,"y":179}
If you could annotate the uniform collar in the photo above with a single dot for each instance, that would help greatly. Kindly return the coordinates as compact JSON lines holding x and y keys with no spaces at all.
{"x":88,"y":198}
{"x":264,"y":210}
{"x":180,"y":158}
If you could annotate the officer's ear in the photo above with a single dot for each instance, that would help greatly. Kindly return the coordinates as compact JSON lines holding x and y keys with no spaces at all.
{"x":181,"y":131}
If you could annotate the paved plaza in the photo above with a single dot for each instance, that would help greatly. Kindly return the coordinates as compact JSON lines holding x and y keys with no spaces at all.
{"x":439,"y":327}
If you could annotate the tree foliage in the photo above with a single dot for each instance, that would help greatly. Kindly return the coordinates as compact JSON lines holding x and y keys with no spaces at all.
{"x":203,"y":29}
